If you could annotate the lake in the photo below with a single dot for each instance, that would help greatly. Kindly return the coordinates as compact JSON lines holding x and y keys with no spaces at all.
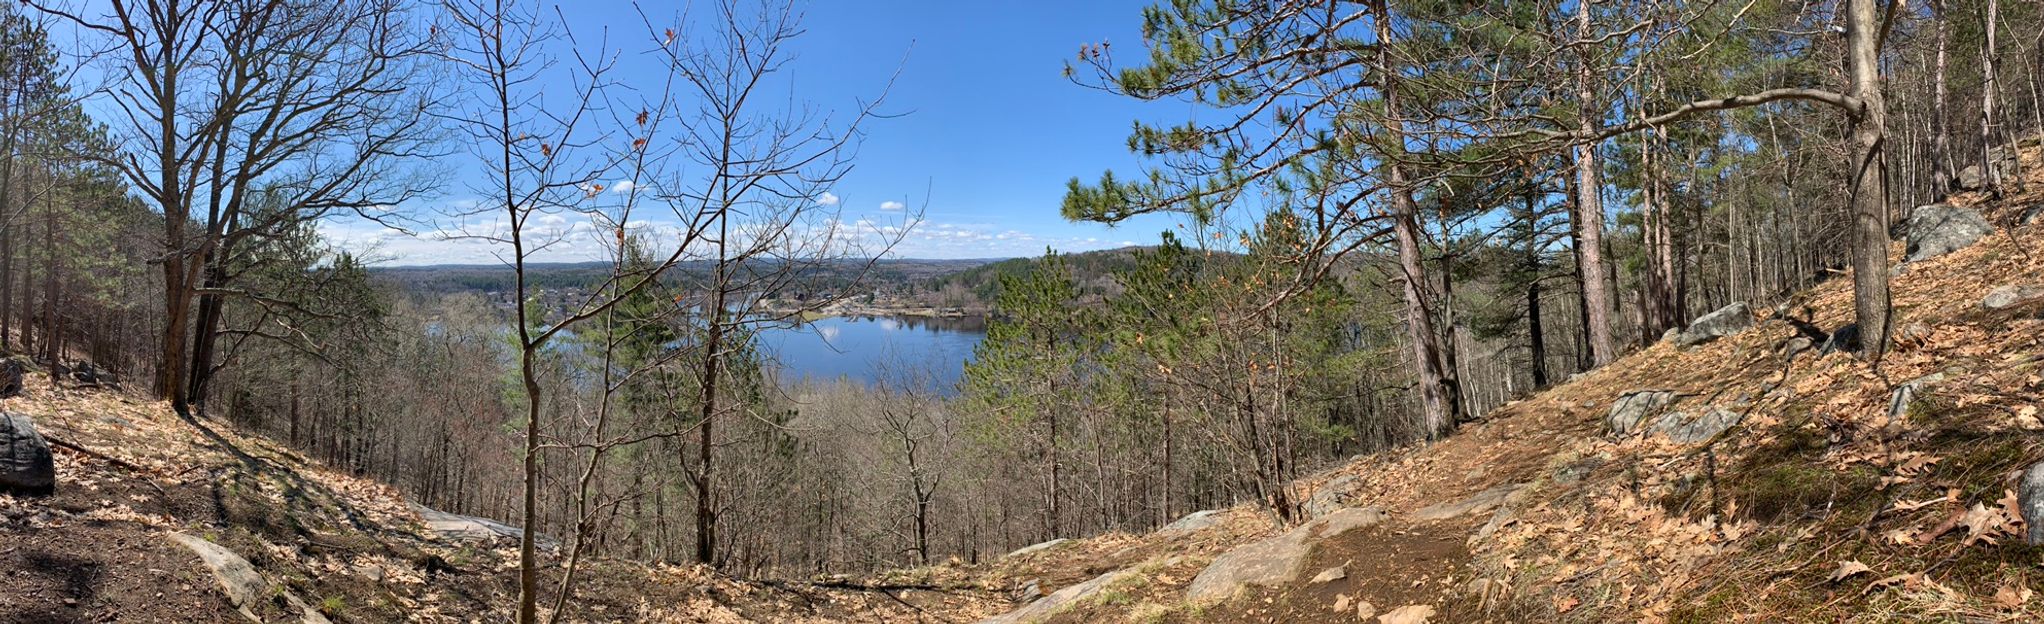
{"x":869,"y":349}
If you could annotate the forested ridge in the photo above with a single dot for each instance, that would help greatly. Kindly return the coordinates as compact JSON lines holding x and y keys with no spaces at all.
{"x":1458,"y":300}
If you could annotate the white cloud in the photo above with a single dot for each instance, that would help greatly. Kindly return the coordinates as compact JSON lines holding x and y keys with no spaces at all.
{"x":893,"y":206}
{"x":827,"y":199}
{"x":623,"y":186}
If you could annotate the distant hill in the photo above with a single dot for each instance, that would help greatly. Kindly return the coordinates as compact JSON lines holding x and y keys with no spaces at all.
{"x":1093,"y":270}
{"x":886,"y":275}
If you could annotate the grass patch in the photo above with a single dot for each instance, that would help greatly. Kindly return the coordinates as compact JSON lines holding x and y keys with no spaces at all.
{"x":1783,"y":479}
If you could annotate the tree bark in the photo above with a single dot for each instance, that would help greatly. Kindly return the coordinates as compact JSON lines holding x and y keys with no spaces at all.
{"x":1870,"y":188}
{"x":1439,"y":400}
{"x":1590,"y":205}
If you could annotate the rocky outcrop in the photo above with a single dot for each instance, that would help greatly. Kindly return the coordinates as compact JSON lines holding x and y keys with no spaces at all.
{"x":1482,"y":502}
{"x":1685,"y":428}
{"x":1647,"y":410}
{"x":2011,"y":296}
{"x":2031,"y":498}
{"x":246,"y":588}
{"x":1635,"y":408}
{"x":1906,"y":394}
{"x":1725,"y":321}
{"x":458,"y":527}
{"x":1036,"y":548}
{"x":1974,"y":178}
{"x":1939,"y":229}
{"x":1043,"y":608}
{"x":1331,"y":497}
{"x":89,"y":374}
{"x":1194,"y":521}
{"x":1275,"y":561}
{"x":26,"y":467}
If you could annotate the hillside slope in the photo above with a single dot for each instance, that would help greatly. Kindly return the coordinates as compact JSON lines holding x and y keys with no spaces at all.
{"x":134,"y":478}
{"x":1828,"y":499}
{"x":1816,"y":505}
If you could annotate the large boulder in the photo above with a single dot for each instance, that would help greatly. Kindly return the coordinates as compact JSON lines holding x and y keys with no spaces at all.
{"x":246,"y":588}
{"x":1636,"y":408}
{"x":26,"y":467}
{"x":1276,"y":561}
{"x":89,"y":374}
{"x":1192,"y":522}
{"x":1974,"y":178}
{"x":1037,"y":547}
{"x":458,"y":527}
{"x":1725,"y":321}
{"x":1939,"y":229}
{"x":1331,"y":497}
{"x":1686,"y":428}
{"x":11,"y":374}
{"x":2011,"y":296}
{"x":1484,"y":501}
{"x":2031,"y":499}
{"x":1043,"y":608}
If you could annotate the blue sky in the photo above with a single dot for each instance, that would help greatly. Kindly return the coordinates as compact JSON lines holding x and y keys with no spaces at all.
{"x":991,"y":133}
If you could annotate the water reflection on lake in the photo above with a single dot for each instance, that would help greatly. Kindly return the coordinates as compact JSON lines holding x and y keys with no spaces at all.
{"x":867,"y":349}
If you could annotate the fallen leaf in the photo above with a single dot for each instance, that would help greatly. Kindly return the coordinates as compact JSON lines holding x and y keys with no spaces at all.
{"x":2012,"y":597}
{"x":1849,"y":569}
{"x":1408,"y":614}
{"x":1982,"y":524}
{"x":1899,"y":579}
{"x":1564,"y":603}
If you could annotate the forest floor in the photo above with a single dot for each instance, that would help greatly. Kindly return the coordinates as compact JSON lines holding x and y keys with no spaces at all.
{"x":1816,"y":506}
{"x":131,"y":472}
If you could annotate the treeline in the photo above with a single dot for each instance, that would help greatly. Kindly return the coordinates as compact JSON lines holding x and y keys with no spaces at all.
{"x":1398,"y":216}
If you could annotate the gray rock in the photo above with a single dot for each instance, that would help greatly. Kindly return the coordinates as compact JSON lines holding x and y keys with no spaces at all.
{"x":1684,"y":428}
{"x":1907,"y":392}
{"x":1971,"y":178}
{"x":245,"y":587}
{"x":1036,"y":548}
{"x":2031,"y":499}
{"x":1483,"y":501}
{"x":2012,"y":295}
{"x":11,"y":374}
{"x":1635,"y":408}
{"x":1047,"y":606}
{"x":1330,"y":575}
{"x":1575,"y":471}
{"x":1275,"y":561}
{"x":1939,"y":229}
{"x":1795,"y":346}
{"x":1194,"y":521}
{"x":1725,"y":321}
{"x":26,"y":467}
{"x":1332,"y":496}
{"x":471,"y":528}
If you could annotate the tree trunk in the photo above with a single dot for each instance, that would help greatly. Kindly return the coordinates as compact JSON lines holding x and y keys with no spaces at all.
{"x":1590,"y":207}
{"x":1536,"y":341}
{"x":1439,"y":398}
{"x":1870,"y":189}
{"x":1941,"y":134}
{"x":205,"y":336}
{"x":1990,"y":61}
